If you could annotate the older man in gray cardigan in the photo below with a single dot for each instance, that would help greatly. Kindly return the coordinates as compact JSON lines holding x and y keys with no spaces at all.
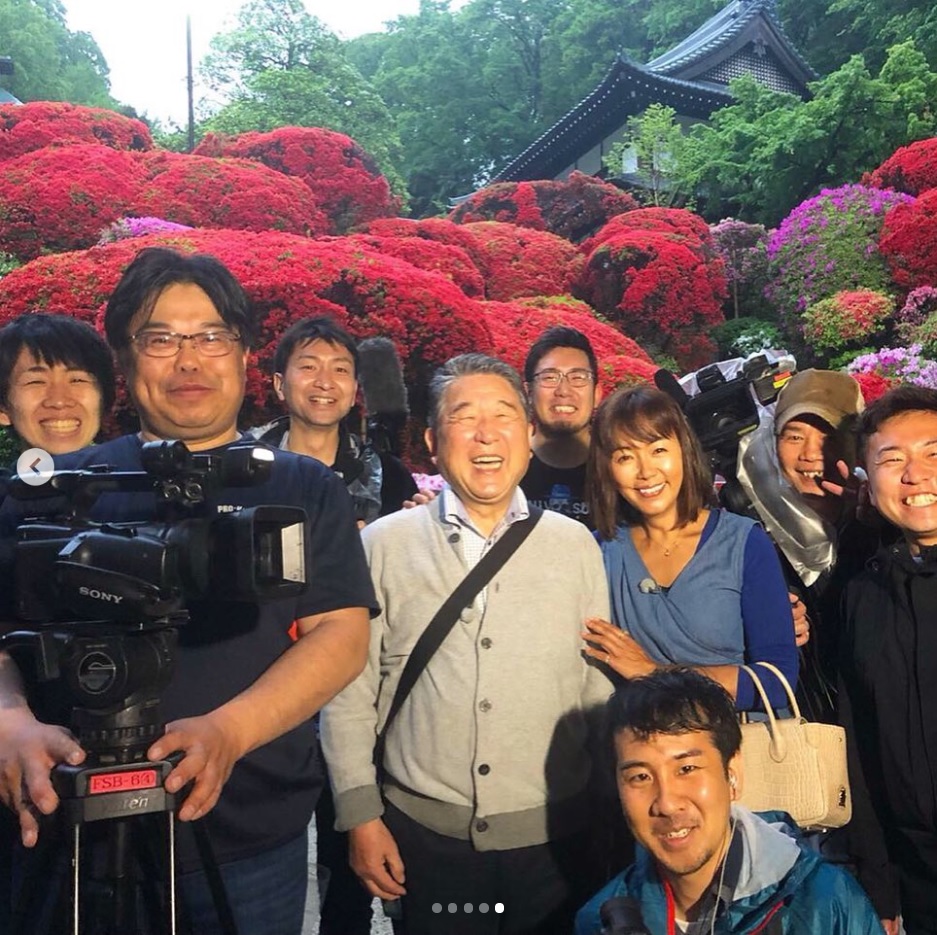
{"x":479,"y":825}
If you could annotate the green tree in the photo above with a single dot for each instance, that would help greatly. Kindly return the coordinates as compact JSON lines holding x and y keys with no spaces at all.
{"x":50,"y":62}
{"x":768,"y":152}
{"x":280,"y":66}
{"x":654,"y":141}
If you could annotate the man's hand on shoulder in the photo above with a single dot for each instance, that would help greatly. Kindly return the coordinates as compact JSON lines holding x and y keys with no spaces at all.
{"x":29,"y":750}
{"x":211,"y":746}
{"x":373,"y":855}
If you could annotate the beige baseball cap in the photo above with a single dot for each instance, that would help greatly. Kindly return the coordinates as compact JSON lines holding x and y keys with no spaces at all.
{"x":829,"y":394}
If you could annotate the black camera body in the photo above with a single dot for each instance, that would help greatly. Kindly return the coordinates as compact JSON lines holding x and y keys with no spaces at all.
{"x":68,"y":568}
{"x":97,"y":605}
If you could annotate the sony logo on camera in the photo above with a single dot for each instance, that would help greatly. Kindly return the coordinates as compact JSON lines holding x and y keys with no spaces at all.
{"x":99,"y":595}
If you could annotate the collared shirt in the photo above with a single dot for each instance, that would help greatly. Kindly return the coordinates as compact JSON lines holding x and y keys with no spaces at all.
{"x":473,"y":543}
{"x":720,"y":892}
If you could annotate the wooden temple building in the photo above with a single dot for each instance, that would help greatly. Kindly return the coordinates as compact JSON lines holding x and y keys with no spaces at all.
{"x":743,"y":38}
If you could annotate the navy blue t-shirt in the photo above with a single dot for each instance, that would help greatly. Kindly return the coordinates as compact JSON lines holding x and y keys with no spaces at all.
{"x":226,"y":646}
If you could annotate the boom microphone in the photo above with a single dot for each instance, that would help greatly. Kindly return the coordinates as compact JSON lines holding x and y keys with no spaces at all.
{"x":667,"y":383}
{"x":385,"y":393}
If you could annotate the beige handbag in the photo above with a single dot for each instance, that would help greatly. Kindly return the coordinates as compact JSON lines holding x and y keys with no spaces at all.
{"x":793,"y":765}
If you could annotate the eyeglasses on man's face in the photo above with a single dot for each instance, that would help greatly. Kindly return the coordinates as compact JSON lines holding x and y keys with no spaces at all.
{"x":214,"y":343}
{"x":578,"y":377}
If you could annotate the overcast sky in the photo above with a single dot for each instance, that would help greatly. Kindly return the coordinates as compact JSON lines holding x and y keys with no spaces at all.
{"x":144,"y":42}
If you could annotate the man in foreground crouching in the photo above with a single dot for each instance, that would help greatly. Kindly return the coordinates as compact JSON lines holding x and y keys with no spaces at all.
{"x":706,"y":864}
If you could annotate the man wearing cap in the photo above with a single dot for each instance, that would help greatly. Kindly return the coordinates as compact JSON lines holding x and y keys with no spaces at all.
{"x":794,"y":468}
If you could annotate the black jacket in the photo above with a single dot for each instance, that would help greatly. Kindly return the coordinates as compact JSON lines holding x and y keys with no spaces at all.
{"x":888,"y":704}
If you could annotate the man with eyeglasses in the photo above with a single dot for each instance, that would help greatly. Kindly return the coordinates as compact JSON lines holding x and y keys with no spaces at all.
{"x":240,"y":703}
{"x":560,"y":373}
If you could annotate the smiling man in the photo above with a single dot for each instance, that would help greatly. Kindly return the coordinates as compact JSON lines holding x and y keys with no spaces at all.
{"x":242,"y":695}
{"x":889,"y":666}
{"x":561,"y":374}
{"x":484,"y":798}
{"x":56,"y":381}
{"x":705,"y":864}
{"x":316,"y":377}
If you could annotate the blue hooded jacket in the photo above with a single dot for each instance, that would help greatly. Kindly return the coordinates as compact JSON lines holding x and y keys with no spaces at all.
{"x":781,"y":882}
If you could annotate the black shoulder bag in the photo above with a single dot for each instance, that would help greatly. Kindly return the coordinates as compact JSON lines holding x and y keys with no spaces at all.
{"x":439,"y":627}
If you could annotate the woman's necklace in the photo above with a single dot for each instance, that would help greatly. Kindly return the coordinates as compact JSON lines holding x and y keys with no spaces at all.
{"x":667,"y":547}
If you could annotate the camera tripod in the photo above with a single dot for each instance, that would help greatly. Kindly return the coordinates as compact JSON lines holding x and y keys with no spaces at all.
{"x":117,"y":799}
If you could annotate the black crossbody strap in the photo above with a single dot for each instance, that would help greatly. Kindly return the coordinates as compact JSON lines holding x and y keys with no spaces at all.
{"x":442,"y":623}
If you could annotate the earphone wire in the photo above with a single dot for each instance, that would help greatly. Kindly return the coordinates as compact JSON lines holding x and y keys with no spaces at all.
{"x":722,"y":874}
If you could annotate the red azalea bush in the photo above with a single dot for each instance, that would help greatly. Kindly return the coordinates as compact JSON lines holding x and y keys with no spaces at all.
{"x":873,"y":385}
{"x":909,"y":241}
{"x":59,"y":198}
{"x":446,"y":259}
{"x":574,"y":208}
{"x":912,"y":169}
{"x":237,"y":194}
{"x":622,"y":370}
{"x":660,"y":290}
{"x":679,"y":223}
{"x":287,"y":277}
{"x":27,"y":127}
{"x":345,"y":180}
{"x":436,"y":229}
{"x":524,"y":262}
{"x":516,"y":325}
{"x":848,"y":317}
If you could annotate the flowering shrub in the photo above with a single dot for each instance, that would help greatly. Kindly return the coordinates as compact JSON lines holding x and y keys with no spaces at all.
{"x":911,"y":169}
{"x":435,"y":229}
{"x":523,"y":262}
{"x":27,"y":127}
{"x":658,"y":288}
{"x":873,"y":385}
{"x":233,"y":193}
{"x":622,"y":370}
{"x":847,"y":317}
{"x":573,"y":209}
{"x":897,"y":365}
{"x":909,"y":240}
{"x":446,"y":259}
{"x":428,"y":318}
{"x":827,"y":244}
{"x":680,"y":224}
{"x":345,"y":180}
{"x":744,"y":251}
{"x":125,"y":228}
{"x":516,"y":325}
{"x":59,"y":198}
{"x":740,"y":337}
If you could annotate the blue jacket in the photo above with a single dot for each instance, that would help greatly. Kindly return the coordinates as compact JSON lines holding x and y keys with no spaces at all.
{"x":779,"y":878}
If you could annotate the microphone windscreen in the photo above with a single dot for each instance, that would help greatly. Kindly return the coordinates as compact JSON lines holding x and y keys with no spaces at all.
{"x":667,"y":383}
{"x":648,"y":586}
{"x":381,"y":377}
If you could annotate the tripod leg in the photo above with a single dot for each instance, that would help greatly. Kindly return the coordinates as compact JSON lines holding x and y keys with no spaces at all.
{"x":76,"y":886}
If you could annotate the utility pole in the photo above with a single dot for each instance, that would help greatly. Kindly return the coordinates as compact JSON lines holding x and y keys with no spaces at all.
{"x":190,"y":84}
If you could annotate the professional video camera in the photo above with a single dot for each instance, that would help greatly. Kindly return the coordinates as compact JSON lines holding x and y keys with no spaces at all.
{"x":102,"y":601}
{"x":722,"y":406}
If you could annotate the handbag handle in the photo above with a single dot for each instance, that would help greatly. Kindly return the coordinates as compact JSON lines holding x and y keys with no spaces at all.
{"x":777,"y":748}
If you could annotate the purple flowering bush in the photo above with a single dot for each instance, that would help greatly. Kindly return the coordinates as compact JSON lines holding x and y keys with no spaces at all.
{"x":898,"y":365}
{"x":827,"y":244}
{"x":125,"y":228}
{"x":744,"y":250}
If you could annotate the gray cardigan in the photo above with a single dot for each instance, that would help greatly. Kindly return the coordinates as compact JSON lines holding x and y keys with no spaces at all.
{"x":492,"y":744}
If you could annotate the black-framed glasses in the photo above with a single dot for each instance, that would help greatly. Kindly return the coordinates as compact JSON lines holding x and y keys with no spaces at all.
{"x":578,"y":377}
{"x":169,"y":343}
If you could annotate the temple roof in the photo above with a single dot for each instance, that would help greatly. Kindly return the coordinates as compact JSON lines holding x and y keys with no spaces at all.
{"x":744,"y":37}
